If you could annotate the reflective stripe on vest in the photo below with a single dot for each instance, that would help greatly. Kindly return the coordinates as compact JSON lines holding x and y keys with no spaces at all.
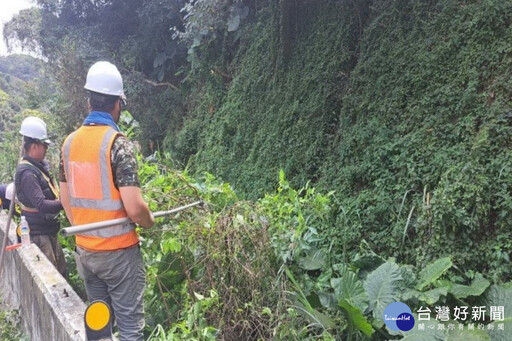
{"x":93,"y":195}
{"x":51,"y":185}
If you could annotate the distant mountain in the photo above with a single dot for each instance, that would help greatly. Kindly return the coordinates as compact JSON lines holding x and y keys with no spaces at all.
{"x":21,"y":66}
{"x":16,"y":72}
{"x":25,"y":85}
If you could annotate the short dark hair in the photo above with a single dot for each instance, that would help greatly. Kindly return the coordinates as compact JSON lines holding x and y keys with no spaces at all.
{"x":28,"y":141}
{"x":102,"y":102}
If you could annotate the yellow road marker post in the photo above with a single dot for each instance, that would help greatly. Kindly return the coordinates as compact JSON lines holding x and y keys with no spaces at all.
{"x":98,"y":321}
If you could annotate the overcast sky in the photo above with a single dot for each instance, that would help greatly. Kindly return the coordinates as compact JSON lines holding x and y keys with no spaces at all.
{"x":7,"y":9}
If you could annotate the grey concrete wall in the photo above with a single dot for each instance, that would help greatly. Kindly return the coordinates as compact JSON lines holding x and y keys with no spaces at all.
{"x":50,"y":309}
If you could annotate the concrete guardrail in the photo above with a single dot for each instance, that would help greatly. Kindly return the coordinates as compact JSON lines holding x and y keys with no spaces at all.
{"x":49,"y":308}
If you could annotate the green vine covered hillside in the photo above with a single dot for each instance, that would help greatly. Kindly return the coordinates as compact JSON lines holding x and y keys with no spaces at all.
{"x":401,"y":107}
{"x":351,"y":154}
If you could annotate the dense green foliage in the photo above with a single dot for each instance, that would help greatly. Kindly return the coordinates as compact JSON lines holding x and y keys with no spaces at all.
{"x":267,"y":269}
{"x":391,"y":120}
{"x":10,"y":326}
{"x":391,"y":105}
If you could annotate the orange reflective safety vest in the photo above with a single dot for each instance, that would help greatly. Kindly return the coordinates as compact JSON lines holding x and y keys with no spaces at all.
{"x":93,"y":195}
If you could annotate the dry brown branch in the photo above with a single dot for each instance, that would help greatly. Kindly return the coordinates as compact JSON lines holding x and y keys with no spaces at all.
{"x":163,"y":300}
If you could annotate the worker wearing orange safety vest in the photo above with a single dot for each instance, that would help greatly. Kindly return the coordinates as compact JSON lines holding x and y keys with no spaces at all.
{"x":99,"y":181}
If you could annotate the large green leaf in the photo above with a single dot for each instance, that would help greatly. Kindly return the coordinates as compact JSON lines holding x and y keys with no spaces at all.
{"x":408,"y":276}
{"x":467,"y":335}
{"x":314,"y":260}
{"x":328,"y":300}
{"x":475,"y":289}
{"x":355,"y":317}
{"x":233,"y":23}
{"x":410,"y":294}
{"x":367,"y":262}
{"x":315,"y":317}
{"x":500,"y":295}
{"x":501,"y":335}
{"x":304,"y":307}
{"x":430,"y":297}
{"x":350,"y":288}
{"x":159,"y":59}
{"x":382,"y":287}
{"x":433,"y":271}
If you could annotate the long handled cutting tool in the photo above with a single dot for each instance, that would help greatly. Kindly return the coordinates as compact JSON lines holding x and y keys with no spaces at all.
{"x":69,"y":231}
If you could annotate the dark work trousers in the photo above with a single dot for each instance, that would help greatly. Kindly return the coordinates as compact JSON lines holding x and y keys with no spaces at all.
{"x":51,"y":248}
{"x":118,"y":278}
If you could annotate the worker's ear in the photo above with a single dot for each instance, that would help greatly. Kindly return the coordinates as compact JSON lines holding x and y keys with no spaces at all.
{"x":116,"y":111}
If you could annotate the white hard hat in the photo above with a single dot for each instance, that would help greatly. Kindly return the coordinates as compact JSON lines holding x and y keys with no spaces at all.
{"x":9,"y":191}
{"x":35,"y":128}
{"x":104,"y":78}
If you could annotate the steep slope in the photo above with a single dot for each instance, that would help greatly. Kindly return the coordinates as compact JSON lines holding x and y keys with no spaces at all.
{"x":399,"y":106}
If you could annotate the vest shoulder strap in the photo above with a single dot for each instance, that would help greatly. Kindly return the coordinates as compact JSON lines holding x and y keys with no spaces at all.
{"x":52,"y":186}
